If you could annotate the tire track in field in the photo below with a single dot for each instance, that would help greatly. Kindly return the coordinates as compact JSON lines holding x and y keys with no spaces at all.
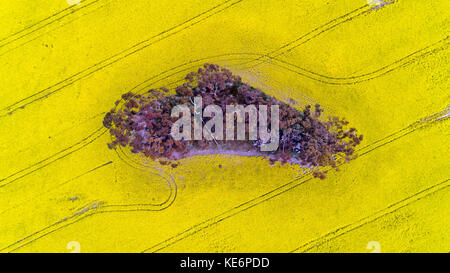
{"x":96,"y":207}
{"x":59,"y":185}
{"x":52,"y":159}
{"x":360,"y":11}
{"x":44,"y":93}
{"x":400,"y":63}
{"x":45,"y":23}
{"x":373,"y":217}
{"x":11,"y":47}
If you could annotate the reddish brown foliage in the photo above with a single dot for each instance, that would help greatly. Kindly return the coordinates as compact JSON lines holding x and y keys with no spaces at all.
{"x":144,"y":123}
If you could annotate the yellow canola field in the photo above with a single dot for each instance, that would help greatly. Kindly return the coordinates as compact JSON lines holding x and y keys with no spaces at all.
{"x":383,"y":68}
